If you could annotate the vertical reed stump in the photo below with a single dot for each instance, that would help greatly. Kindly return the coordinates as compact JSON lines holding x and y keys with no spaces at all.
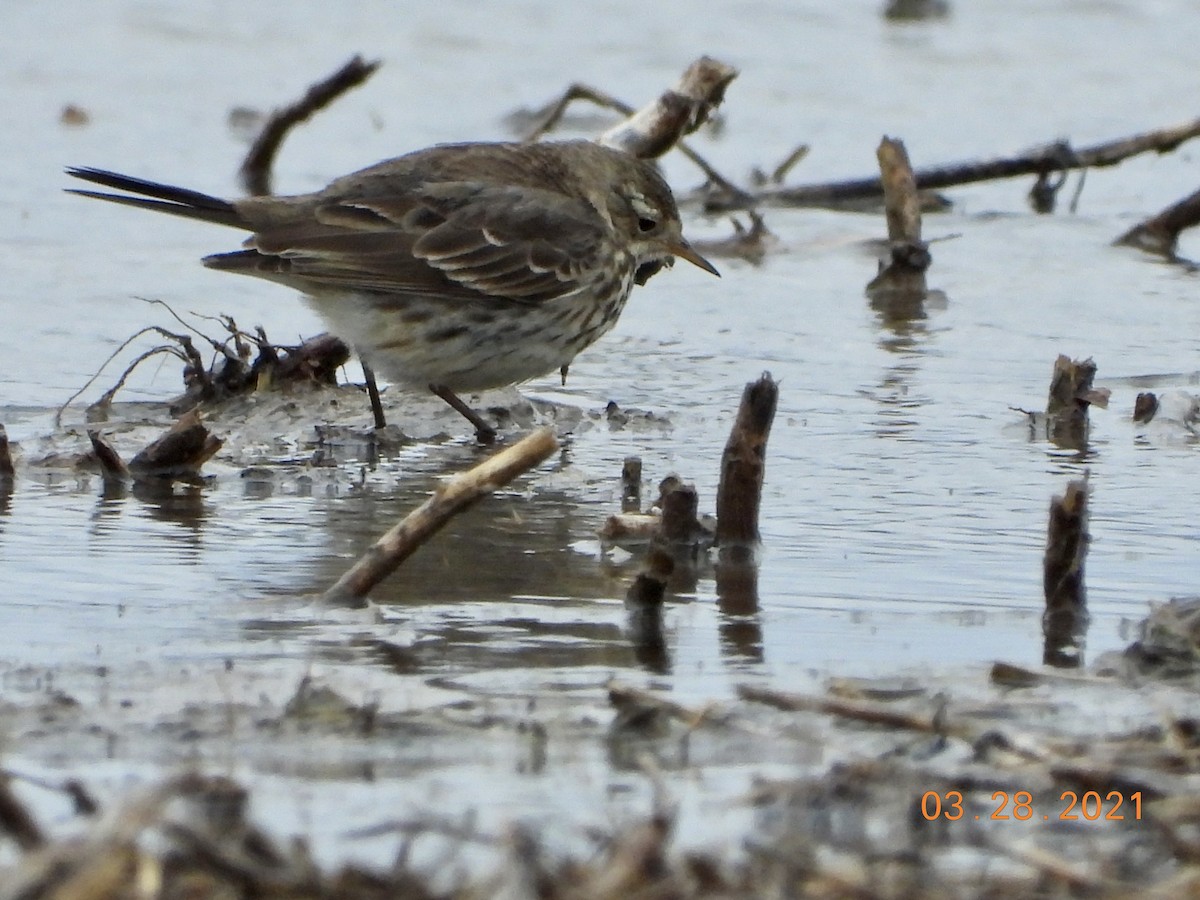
{"x":1064,"y":623}
{"x":631,"y":485}
{"x":1071,"y":394}
{"x":743,"y":464}
{"x":902,"y":274}
{"x":739,"y":499}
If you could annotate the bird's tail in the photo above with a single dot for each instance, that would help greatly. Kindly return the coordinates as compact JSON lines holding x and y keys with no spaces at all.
{"x":161,"y":197}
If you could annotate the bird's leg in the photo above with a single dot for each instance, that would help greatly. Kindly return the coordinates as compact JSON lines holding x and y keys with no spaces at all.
{"x":484,"y":432}
{"x":373,"y":396}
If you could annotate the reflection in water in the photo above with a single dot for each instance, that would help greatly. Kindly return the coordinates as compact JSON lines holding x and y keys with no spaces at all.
{"x":897,"y":404}
{"x":1065,"y":621}
{"x":903,"y":316}
{"x":737,"y":598}
{"x":644,"y":624}
{"x":6,"y":492}
{"x":165,"y":501}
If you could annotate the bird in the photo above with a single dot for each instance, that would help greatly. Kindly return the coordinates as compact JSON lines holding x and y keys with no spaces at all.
{"x":455,"y":268}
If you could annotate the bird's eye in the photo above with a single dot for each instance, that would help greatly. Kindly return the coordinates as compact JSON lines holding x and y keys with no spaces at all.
{"x":646,"y":224}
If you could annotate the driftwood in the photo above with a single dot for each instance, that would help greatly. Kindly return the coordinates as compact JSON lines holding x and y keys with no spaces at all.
{"x":1055,"y":157}
{"x":903,"y":272}
{"x":679,"y":111}
{"x":1065,"y":619}
{"x":178,"y":453}
{"x":111,"y":464}
{"x":451,"y":498}
{"x":1160,"y":234}
{"x":255,"y":173}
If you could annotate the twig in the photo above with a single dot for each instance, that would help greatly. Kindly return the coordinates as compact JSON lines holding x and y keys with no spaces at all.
{"x":129,"y":340}
{"x":373,"y":395}
{"x":255,"y":172}
{"x":448,"y":500}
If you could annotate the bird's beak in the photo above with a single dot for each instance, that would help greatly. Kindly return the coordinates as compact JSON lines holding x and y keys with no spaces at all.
{"x":683,"y":250}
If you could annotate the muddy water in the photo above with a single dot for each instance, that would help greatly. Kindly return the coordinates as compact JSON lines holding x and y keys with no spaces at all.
{"x":905,"y":500}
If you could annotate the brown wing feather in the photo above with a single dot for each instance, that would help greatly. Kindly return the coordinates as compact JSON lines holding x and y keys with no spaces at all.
{"x":453,"y":238}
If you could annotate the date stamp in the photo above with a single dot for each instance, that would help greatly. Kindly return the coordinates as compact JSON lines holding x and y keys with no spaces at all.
{"x":1090,"y":806}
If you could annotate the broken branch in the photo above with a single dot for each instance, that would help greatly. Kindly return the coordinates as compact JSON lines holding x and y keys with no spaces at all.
{"x":255,"y":172}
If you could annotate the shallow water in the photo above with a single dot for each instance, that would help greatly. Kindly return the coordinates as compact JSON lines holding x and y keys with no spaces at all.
{"x":905,"y":503}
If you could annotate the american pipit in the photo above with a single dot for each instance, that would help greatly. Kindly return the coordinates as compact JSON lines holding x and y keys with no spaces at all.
{"x":460,"y":267}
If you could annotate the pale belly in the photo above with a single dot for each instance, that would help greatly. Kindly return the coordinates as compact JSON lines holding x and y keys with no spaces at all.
{"x":467,"y":345}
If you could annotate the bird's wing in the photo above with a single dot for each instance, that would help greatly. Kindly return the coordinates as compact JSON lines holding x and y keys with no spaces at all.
{"x":456,"y":238}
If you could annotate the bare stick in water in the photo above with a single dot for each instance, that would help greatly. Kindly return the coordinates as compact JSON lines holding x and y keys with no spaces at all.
{"x":903,"y":272}
{"x":451,"y":498}
{"x":1058,"y":156}
{"x":743,"y":463}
